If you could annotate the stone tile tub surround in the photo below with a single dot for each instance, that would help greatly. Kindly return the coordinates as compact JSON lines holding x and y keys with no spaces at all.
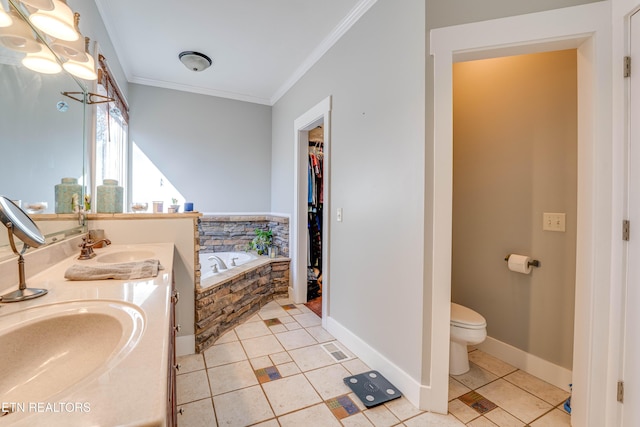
{"x":231,"y":298}
{"x":232,"y":233}
{"x":132,"y":384}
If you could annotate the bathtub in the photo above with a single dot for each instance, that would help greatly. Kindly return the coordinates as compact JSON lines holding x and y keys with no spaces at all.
{"x":206,"y":265}
{"x":225,"y":299}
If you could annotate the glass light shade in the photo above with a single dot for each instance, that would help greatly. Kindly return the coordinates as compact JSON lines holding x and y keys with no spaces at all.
{"x":39,"y":4}
{"x":19,"y":36}
{"x":5,"y":19}
{"x":70,"y":50}
{"x":42,"y":62}
{"x":195,"y":61}
{"x":85,"y":70}
{"x":58,"y":23}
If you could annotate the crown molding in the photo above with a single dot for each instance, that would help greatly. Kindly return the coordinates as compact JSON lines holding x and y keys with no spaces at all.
{"x":200,"y":90}
{"x":347,"y":22}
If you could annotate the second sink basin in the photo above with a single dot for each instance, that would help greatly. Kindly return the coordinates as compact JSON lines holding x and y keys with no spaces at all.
{"x":125,"y":256}
{"x":49,"y":349}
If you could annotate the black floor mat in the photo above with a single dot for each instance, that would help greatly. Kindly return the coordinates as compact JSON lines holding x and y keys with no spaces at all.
{"x":372,"y":388}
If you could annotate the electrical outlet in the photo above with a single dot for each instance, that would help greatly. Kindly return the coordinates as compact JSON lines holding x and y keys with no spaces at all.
{"x":553,"y":221}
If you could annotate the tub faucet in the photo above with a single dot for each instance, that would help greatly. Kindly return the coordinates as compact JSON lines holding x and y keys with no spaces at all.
{"x":219,"y":261}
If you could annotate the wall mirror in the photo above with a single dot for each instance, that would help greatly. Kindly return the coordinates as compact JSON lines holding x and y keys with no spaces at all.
{"x":42,"y":136}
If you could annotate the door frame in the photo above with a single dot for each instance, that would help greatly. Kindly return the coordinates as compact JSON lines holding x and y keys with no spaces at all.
{"x":588,"y":29}
{"x":628,"y":345}
{"x":320,"y":113}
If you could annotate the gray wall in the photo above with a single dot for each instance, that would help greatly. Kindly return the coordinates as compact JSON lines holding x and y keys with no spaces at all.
{"x":375,"y":75}
{"x":515,"y":148}
{"x":40,"y":144}
{"x":442,"y":14}
{"x":215,"y":151}
{"x":381,"y":167}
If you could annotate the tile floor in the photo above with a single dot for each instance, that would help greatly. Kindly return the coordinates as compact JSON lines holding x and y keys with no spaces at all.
{"x":274,"y":370}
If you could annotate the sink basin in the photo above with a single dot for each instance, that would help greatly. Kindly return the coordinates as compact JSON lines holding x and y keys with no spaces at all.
{"x":48,"y":350}
{"x":126,"y":256}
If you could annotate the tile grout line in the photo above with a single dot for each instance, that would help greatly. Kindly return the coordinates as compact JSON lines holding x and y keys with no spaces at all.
{"x":264,"y":393}
{"x":503,"y":377}
{"x":292,"y":360}
{"x":316,"y":342}
{"x":322,"y":400}
{"x":304,"y":373}
{"x":213,"y":405}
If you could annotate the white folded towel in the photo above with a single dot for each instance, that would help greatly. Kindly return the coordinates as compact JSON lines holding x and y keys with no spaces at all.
{"x":123,"y":271}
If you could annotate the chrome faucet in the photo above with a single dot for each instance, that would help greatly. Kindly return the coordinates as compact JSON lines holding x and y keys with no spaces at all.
{"x":86,"y":248}
{"x":219,"y":261}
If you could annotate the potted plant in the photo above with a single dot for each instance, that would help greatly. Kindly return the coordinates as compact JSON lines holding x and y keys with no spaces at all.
{"x":262,"y":241}
{"x":175,"y":207}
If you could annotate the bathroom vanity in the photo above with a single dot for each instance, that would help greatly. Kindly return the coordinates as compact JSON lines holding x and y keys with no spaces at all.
{"x":96,"y":352}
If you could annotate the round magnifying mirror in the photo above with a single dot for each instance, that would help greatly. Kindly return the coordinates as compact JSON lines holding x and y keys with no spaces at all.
{"x":22,"y":226}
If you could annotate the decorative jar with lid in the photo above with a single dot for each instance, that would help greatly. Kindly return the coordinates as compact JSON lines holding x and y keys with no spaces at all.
{"x":109,"y":197}
{"x":65,"y":191}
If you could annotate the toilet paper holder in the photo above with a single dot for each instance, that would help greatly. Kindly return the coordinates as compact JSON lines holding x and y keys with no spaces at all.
{"x":532,"y":263}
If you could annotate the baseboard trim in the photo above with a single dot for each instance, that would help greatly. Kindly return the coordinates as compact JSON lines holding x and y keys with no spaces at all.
{"x":534,"y":365}
{"x":416,"y":393}
{"x":185,"y":344}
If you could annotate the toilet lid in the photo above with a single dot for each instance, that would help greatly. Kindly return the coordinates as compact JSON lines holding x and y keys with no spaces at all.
{"x":464,"y":317}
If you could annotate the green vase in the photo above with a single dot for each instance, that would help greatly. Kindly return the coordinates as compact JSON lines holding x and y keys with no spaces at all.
{"x":64,"y":195}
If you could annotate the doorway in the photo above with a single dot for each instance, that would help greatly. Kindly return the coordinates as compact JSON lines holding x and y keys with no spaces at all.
{"x":515,"y":161}
{"x":315,"y":219}
{"x":586,"y":29}
{"x":319,"y":115}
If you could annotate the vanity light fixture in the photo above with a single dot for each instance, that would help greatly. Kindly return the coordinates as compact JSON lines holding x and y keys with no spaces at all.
{"x":85,"y":70}
{"x":5,"y":18}
{"x":39,"y":4}
{"x":58,"y":23}
{"x":195,"y":61}
{"x":73,"y":55}
{"x":19,"y":36}
{"x":43,"y":62}
{"x":71,"y":49}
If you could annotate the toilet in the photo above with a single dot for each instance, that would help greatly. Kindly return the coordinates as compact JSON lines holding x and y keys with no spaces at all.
{"x":467,"y":328}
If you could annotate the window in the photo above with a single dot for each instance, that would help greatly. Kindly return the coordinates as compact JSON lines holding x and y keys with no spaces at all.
{"x":149,"y":184}
{"x":112,"y":128}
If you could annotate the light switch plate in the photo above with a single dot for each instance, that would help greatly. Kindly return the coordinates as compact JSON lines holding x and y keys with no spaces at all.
{"x":553,"y":221}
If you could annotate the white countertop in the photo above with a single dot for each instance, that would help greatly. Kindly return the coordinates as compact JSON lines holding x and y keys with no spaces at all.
{"x":131,"y":392}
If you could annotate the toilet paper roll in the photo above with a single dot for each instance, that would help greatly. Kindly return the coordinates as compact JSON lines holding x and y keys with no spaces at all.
{"x":519,"y":263}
